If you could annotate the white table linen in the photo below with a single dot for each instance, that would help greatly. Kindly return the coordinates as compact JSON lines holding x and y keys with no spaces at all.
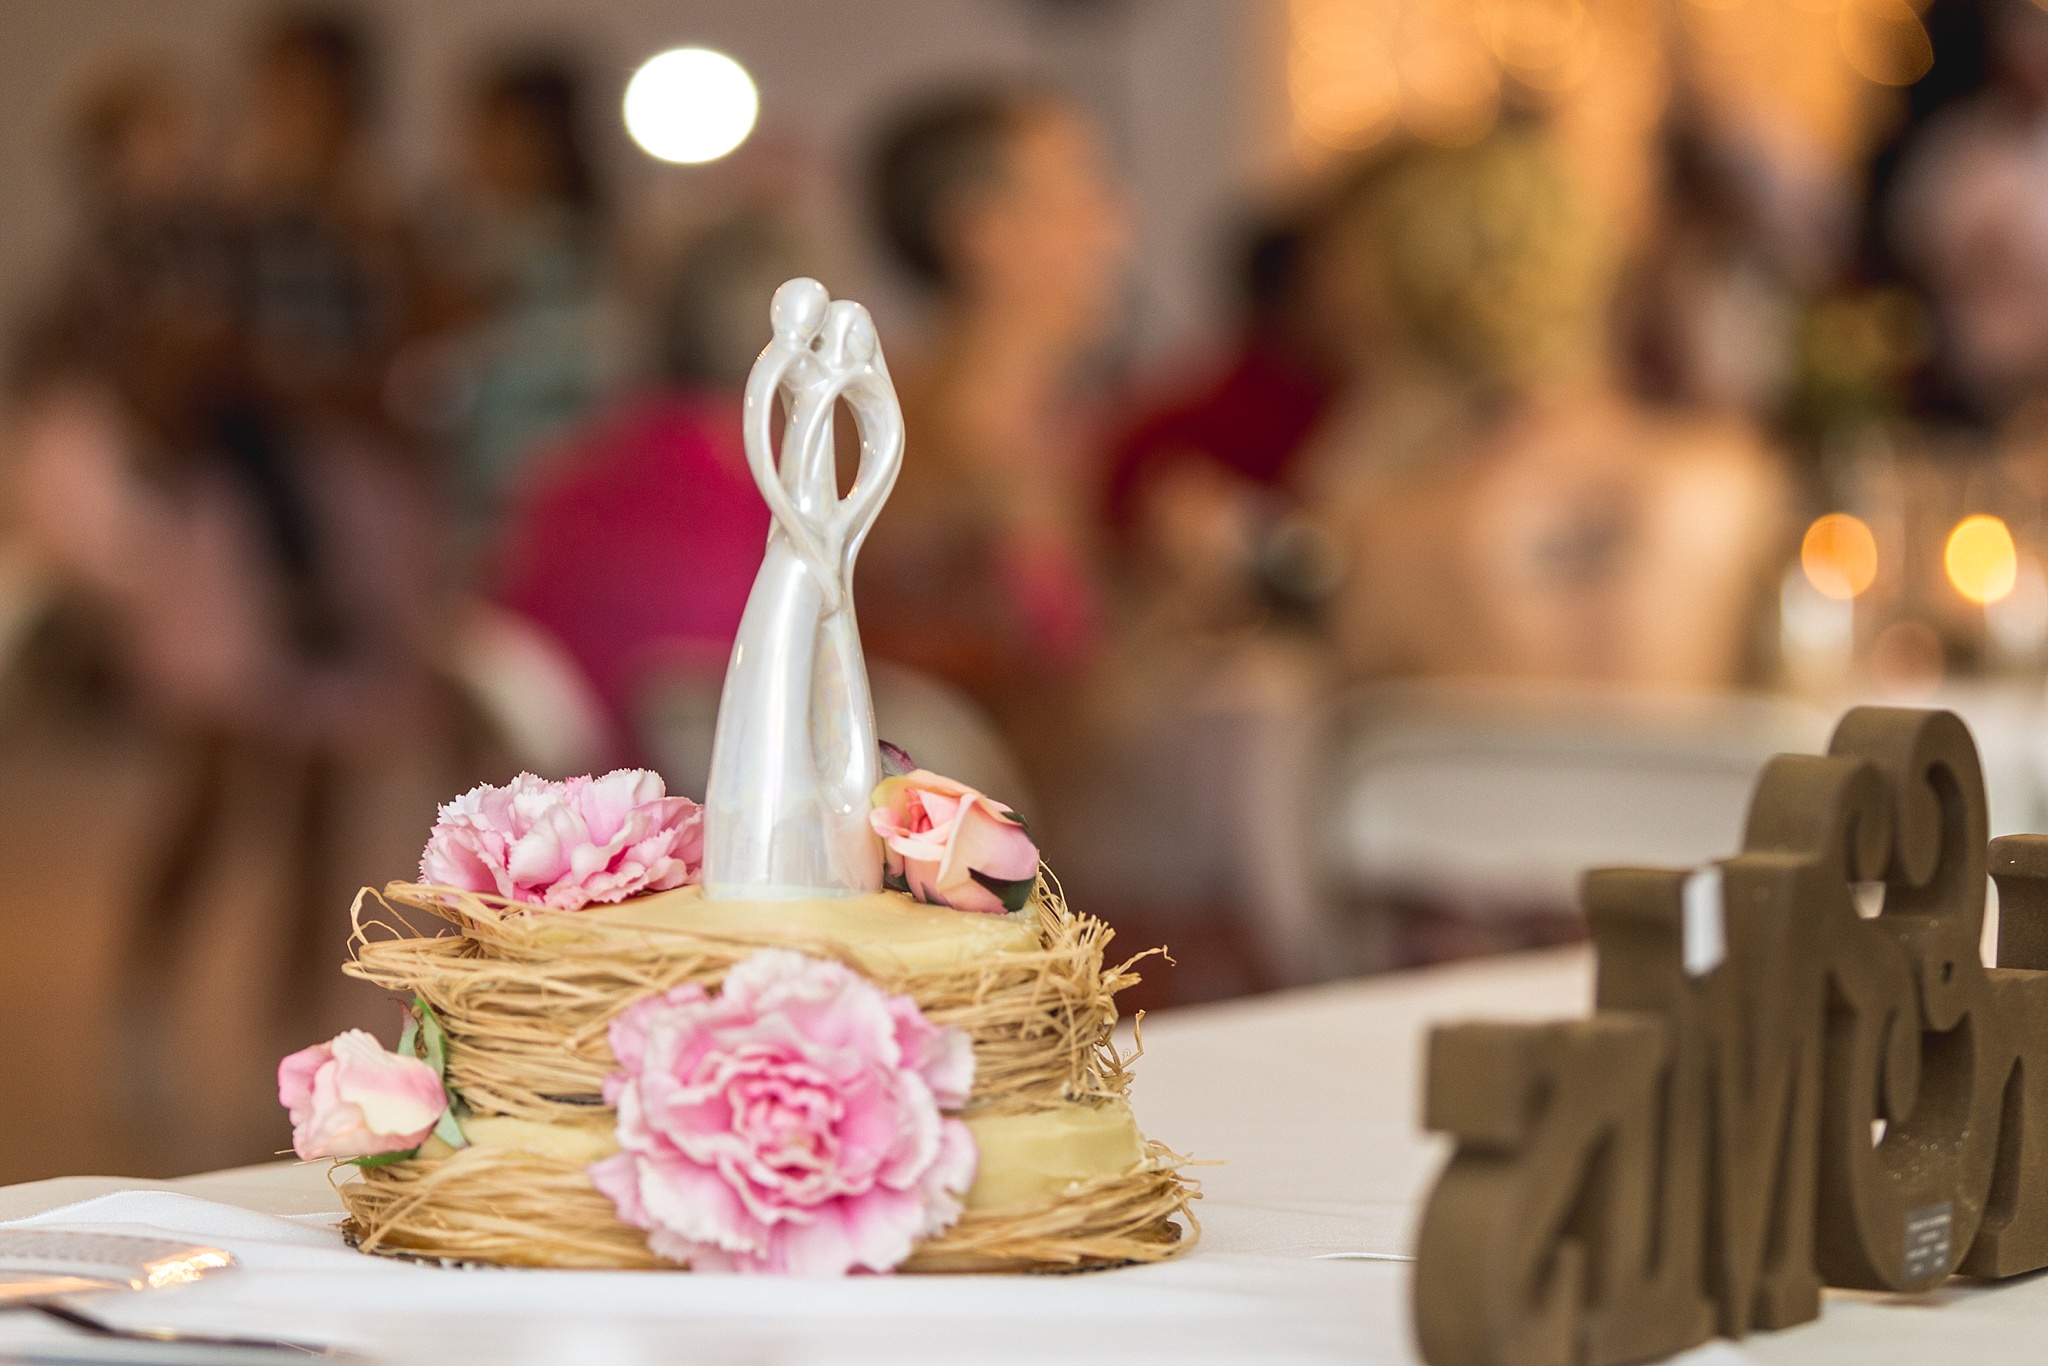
{"x":1309,"y":1099}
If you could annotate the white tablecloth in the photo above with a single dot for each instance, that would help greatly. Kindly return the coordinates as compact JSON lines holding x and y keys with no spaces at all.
{"x":1308,"y":1099}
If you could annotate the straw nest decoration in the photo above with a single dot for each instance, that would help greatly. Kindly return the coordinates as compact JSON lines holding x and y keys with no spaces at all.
{"x":525,"y":996}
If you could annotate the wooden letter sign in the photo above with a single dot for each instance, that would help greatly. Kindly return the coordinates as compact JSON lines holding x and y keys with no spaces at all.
{"x":1775,"y":1092}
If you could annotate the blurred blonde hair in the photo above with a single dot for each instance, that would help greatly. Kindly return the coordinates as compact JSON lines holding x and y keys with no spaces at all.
{"x":1487,"y":257}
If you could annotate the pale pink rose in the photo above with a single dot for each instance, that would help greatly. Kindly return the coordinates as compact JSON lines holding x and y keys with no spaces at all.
{"x":567,"y":845}
{"x":951,"y":846}
{"x":789,"y":1124}
{"x":351,"y":1098}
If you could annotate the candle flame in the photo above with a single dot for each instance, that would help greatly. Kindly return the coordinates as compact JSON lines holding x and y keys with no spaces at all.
{"x":1839,"y":556}
{"x":1981,"y":560}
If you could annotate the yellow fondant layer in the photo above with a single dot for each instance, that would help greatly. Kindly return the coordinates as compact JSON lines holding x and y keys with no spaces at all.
{"x":1033,"y":1158}
{"x":582,"y":1144}
{"x":885,"y":930}
{"x":1025,"y":1159}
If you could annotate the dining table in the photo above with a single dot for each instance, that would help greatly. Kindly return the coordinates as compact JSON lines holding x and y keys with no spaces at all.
{"x":1301,"y":1107}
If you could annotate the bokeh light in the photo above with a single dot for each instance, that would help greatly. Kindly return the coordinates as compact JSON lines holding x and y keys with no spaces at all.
{"x":1450,"y":86}
{"x":1548,"y":44}
{"x":690,"y":104}
{"x":1884,"y":40}
{"x":1981,"y":560}
{"x":1839,"y":555}
{"x":1340,"y":73}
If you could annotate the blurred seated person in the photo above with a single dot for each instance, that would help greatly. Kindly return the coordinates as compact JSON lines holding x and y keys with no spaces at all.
{"x":1002,"y":205}
{"x":635,"y":538}
{"x":139,"y":421}
{"x":138,"y":314}
{"x":1968,"y":215}
{"x":527,"y":248}
{"x":143,"y":298}
{"x":1739,"y":242}
{"x":1503,"y":508}
{"x":1198,"y":482}
{"x":168,"y":486}
{"x":332,"y":279}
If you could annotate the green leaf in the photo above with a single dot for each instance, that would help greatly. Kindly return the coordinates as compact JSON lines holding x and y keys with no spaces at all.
{"x":435,"y":1042}
{"x":1013,"y":895}
{"x":384,"y":1159}
{"x":432,"y":1035}
{"x":408,"y":1040}
{"x":449,"y":1130}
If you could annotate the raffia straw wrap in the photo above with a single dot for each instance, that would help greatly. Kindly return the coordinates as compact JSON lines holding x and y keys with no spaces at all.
{"x":516,"y":1208}
{"x":526,"y":995}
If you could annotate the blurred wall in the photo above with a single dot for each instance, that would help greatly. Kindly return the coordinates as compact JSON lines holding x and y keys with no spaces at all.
{"x":1188,"y":87}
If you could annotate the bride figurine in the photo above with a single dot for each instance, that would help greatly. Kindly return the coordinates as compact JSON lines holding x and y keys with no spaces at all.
{"x":794,"y":760}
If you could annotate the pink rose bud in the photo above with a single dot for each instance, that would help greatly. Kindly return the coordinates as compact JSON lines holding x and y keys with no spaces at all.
{"x":896,"y":760}
{"x":951,"y":846}
{"x":353,"y":1098}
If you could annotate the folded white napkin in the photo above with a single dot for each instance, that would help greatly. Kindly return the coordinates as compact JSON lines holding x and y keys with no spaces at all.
{"x":165,"y":1214}
{"x":298,"y":1280}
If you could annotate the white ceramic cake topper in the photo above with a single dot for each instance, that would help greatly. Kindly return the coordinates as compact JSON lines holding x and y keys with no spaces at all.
{"x":794,"y":761}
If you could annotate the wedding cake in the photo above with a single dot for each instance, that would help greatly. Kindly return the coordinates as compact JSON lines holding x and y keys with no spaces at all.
{"x":838,"y":1018}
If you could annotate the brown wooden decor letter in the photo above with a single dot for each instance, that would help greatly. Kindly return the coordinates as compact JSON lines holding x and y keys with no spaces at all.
{"x":1776,"y":1091}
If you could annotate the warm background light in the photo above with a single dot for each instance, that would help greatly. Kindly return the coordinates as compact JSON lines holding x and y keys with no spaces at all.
{"x":690,"y":104}
{"x":1839,"y":555}
{"x":1981,"y":560}
{"x":1884,"y":41}
{"x":1359,"y":68}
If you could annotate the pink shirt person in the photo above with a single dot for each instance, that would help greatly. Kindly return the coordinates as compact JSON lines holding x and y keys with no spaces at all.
{"x":636,"y":543}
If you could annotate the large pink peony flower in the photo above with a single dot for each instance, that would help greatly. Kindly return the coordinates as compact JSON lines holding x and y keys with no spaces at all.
{"x":567,"y":844}
{"x":951,"y":846}
{"x":351,"y":1098}
{"x":789,"y":1124}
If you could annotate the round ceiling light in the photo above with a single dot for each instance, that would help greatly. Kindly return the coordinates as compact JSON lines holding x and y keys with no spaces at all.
{"x":690,"y":105}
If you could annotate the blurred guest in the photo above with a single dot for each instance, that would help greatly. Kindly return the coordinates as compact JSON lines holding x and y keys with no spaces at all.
{"x":1967,"y":213}
{"x":635,"y":539}
{"x":1251,"y":412}
{"x":1507,"y":511}
{"x":1198,"y":483}
{"x":532,"y":256}
{"x":1002,"y":204}
{"x":979,"y":569}
{"x":333,"y":280}
{"x":1710,"y":311}
{"x":331,"y":285}
{"x":143,"y":300}
{"x":229,"y":498}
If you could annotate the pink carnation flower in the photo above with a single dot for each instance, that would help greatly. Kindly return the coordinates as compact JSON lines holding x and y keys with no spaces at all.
{"x":951,"y":846}
{"x":567,"y":845}
{"x":790,"y":1124}
{"x":349,"y":1097}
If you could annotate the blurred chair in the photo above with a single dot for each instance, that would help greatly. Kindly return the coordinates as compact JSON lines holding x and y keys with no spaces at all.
{"x":1456,"y":818}
{"x":675,"y":718}
{"x":1188,"y":830}
{"x":527,"y":688}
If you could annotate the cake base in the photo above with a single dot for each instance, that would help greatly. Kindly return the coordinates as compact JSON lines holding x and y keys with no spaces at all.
{"x":511,"y":1207}
{"x":525,"y":996}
